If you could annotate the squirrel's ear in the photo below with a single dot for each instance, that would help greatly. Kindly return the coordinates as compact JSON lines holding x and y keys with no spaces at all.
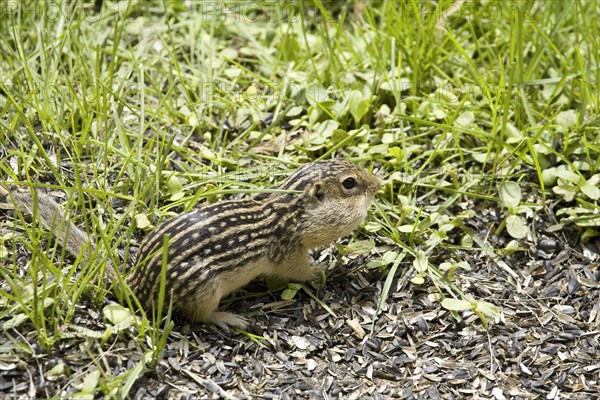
{"x":316,"y":193}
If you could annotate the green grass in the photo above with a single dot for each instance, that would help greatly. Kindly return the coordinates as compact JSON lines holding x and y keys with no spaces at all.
{"x":150,"y":110}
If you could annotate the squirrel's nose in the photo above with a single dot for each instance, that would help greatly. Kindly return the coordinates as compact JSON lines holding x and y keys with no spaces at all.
{"x":376,"y":183}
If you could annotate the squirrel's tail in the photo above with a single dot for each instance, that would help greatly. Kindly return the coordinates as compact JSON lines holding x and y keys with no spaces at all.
{"x":49,"y":213}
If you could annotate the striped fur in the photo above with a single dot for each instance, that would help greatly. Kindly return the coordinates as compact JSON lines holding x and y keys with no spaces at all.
{"x":214,"y":240}
{"x":222,"y":246}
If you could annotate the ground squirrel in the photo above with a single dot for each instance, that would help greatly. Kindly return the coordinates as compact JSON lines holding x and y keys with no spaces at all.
{"x":222,"y":246}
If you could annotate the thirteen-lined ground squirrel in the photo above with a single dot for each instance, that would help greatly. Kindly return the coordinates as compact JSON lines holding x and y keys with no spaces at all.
{"x":222,"y":246}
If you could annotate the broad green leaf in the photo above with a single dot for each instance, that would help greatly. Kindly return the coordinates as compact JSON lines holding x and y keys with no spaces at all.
{"x":565,"y":172}
{"x":549,"y":176}
{"x":588,"y":220}
{"x":511,"y":247}
{"x":591,"y":191}
{"x":482,"y":157}
{"x":580,"y":216}
{"x":389,"y":138}
{"x":48,"y":301}
{"x":406,"y":228}
{"x":446,"y":227}
{"x":373,"y":226}
{"x":396,"y":152}
{"x":314,"y":113}
{"x":434,"y":239}
{"x":466,"y":241}
{"x":568,"y":192}
{"x":512,"y":132}
{"x":438,"y":113}
{"x":142,"y":221}
{"x":589,"y":234}
{"x":174,"y":187}
{"x":466,"y":214}
{"x":289,"y":47}
{"x":515,"y":225}
{"x":294,"y":111}
{"x":288,"y":294}
{"x":358,"y":105}
{"x":420,"y":263}
{"x":389,"y":257}
{"x":465,"y":119}
{"x":510,"y":194}
{"x":450,"y":268}
{"x":445,"y":266}
{"x":456,"y":304}
{"x":590,"y":187}
{"x":316,"y":94}
{"x":464,"y":265}
{"x":567,"y":118}
{"x":118,"y":315}
{"x":325,"y":129}
{"x":361,"y":246}
{"x":488,"y":309}
{"x":58,"y":369}
{"x":90,"y":382}
{"x":15,"y":321}
{"x":8,"y":236}
{"x":375,"y":264}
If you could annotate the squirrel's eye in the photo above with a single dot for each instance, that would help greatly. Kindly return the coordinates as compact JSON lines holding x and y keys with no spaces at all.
{"x":349,"y":183}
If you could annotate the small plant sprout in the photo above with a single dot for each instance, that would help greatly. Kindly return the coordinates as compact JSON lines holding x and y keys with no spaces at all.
{"x":290,"y":292}
{"x":510,"y":197}
{"x":420,"y":264}
{"x":451,"y":267}
{"x":482,"y":309}
{"x":570,"y":184}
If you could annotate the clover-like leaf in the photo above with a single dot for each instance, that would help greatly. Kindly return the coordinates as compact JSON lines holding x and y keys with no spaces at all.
{"x":510,"y":194}
{"x":515,"y":225}
{"x":566,"y":173}
{"x":549,"y":176}
{"x":567,"y":192}
{"x":590,"y":187}
{"x":174,"y":186}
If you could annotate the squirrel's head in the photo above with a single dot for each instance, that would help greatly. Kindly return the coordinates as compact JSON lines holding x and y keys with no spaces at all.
{"x":337,"y":196}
